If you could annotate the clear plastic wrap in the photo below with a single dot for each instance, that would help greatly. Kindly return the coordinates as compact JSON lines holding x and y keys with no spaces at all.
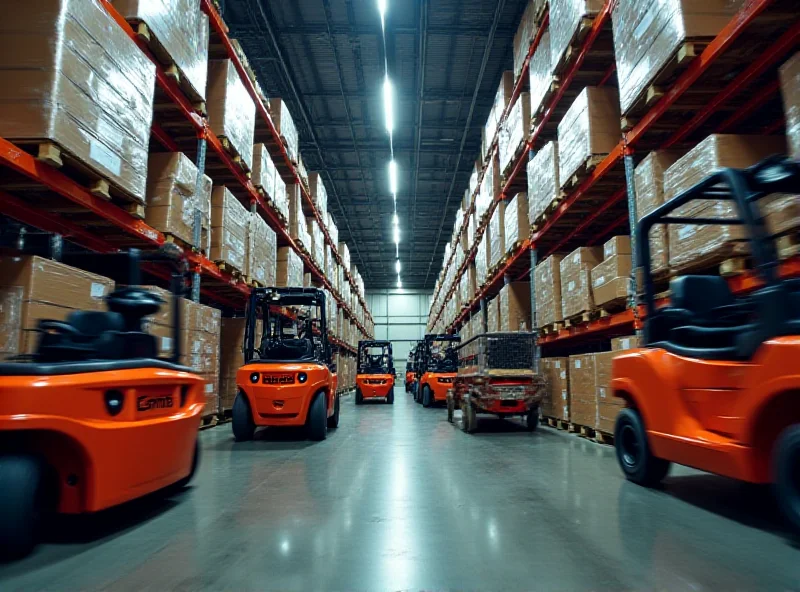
{"x":281,"y":198}
{"x":333,"y":230}
{"x":544,"y":185}
{"x":496,"y":233}
{"x":556,"y":376}
{"x":262,"y":245}
{"x":790,"y":90}
{"x":463,"y":289}
{"x":566,"y":20}
{"x":525,"y":34}
{"x":517,"y":225}
{"x":473,"y":179}
{"x":179,"y":35}
{"x":289,"y":272}
{"x":264,"y":171}
{"x":70,"y":75}
{"x":540,"y":73}
{"x":480,"y":262}
{"x":493,"y":315}
{"x":611,"y":278}
{"x":284,"y":123}
{"x":317,"y":246}
{"x":648,"y":34}
{"x":319,"y":195}
{"x":576,"y":282}
{"x":229,"y":224}
{"x":590,"y":128}
{"x":231,"y":110}
{"x":171,"y":199}
{"x":473,"y":280}
{"x":582,"y":390}
{"x":514,"y":303}
{"x":514,"y":131}
{"x":472,"y":227}
{"x":490,"y":187}
{"x":344,"y":253}
{"x":548,"y":291}
{"x":649,"y":183}
{"x":501,"y":99}
{"x":691,"y":244}
{"x":298,"y":229}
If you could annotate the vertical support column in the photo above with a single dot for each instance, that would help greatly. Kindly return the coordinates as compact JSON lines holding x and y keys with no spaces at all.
{"x":632,"y":219}
{"x":534,"y":321}
{"x":484,"y":312}
{"x":197,"y":223}
{"x":195,"y":286}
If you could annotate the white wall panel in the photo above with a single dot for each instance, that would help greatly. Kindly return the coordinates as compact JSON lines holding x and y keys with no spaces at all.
{"x":400,"y":316}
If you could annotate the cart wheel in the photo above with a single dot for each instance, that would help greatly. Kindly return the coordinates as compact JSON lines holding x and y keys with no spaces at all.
{"x":787,"y":474}
{"x":532,"y":419}
{"x":469,"y":418}
{"x":427,"y":397}
{"x":195,"y":462}
{"x":359,"y":396}
{"x":317,"y":420}
{"x":390,"y":398}
{"x":450,"y":409}
{"x":242,"y":419}
{"x":633,"y":451}
{"x":22,"y":489}
{"x":333,"y":420}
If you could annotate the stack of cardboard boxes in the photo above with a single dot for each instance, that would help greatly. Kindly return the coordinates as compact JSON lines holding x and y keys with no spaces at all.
{"x":231,"y":110}
{"x":611,"y":278}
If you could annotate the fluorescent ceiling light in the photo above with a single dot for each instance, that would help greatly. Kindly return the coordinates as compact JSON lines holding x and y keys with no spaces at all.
{"x":399,"y":283}
{"x":396,"y":235}
{"x":388,"y":104}
{"x":395,"y":219}
{"x":382,"y":6}
{"x":397,"y":266}
{"x":392,"y":177}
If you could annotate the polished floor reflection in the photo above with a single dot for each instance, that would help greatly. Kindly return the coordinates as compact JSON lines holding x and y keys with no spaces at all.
{"x":397,"y":498}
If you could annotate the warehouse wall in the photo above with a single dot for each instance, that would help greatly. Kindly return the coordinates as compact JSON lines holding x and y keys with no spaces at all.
{"x":400,"y":317}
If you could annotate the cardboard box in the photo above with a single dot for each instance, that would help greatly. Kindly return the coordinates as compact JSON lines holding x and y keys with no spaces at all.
{"x":298,"y":228}
{"x":493,"y":315}
{"x":231,"y":110}
{"x":556,"y":375}
{"x":55,"y":85}
{"x":576,"y":283}
{"x":515,"y":307}
{"x":262,"y":245}
{"x":583,"y":390}
{"x":317,"y":247}
{"x":319,"y":195}
{"x":264,"y":171}
{"x":514,"y":131}
{"x":517,"y":225}
{"x":790,"y":91}
{"x":565,"y":21}
{"x":541,"y":75}
{"x":481,"y":268}
{"x":229,"y":224}
{"x":623,"y":343}
{"x":33,"y":288}
{"x":611,"y":278}
{"x":608,"y":406}
{"x":618,"y":245}
{"x":548,"y":291}
{"x":525,"y":34}
{"x":489,"y":188}
{"x":344,"y":253}
{"x":289,"y":273}
{"x":284,"y":123}
{"x":502,"y":98}
{"x":544,"y":186}
{"x":496,"y":233}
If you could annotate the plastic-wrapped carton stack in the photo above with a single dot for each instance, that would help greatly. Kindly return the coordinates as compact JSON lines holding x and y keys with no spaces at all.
{"x":493,"y":315}
{"x":548,"y":291}
{"x":576,"y":282}
{"x":589,"y":130}
{"x":517,"y":225}
{"x":567,"y":19}
{"x":525,"y":34}
{"x":490,"y":188}
{"x":289,"y":273}
{"x":172,"y":204}
{"x":96,"y":105}
{"x":472,"y":229}
{"x":473,"y":179}
{"x":693,"y":245}
{"x":582,"y":390}
{"x":481,"y":267}
{"x":344,"y":253}
{"x":541,"y":75}
{"x":232,"y":357}
{"x":790,"y":90}
{"x":298,"y":229}
{"x":231,"y":111}
{"x":284,"y":123}
{"x":229,"y":223}
{"x":496,"y":233}
{"x":333,"y":230}
{"x":514,"y":303}
{"x":501,"y":99}
{"x":262,"y":245}
{"x":514,"y":131}
{"x":556,"y":399}
{"x":319,"y":195}
{"x":544,"y":186}
{"x":611,"y":278}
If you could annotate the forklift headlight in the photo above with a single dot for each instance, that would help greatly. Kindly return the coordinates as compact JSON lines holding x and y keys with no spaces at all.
{"x":114,"y":402}
{"x":254,"y":378}
{"x":302,"y":377}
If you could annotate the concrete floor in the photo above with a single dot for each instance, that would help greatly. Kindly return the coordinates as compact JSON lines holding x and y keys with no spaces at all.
{"x":397,"y":498}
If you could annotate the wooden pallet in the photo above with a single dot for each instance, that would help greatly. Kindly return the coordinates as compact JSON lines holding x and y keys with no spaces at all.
{"x":788,"y":245}
{"x":542,"y":218}
{"x":237,"y":159}
{"x":551,"y":328}
{"x":209,"y":421}
{"x":171,"y":238}
{"x":584,"y":170}
{"x":603,"y":438}
{"x":253,"y":283}
{"x":557,"y":423}
{"x":612,"y":307}
{"x":575,"y":44}
{"x":552,"y":88}
{"x":581,"y":318}
{"x":226,"y":267}
{"x":513,"y":162}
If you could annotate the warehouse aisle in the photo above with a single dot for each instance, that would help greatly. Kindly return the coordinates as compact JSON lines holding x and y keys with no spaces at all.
{"x":397,"y":498}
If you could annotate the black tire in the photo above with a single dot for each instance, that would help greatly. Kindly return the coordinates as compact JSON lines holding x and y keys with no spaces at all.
{"x":427,"y":397}
{"x":242,"y":419}
{"x":633,"y":451}
{"x":532,"y":419}
{"x":195,"y":463}
{"x":390,"y":398}
{"x":22,"y":496}
{"x":359,"y":396}
{"x":333,"y":420}
{"x":469,"y":418}
{"x":450,"y":409}
{"x":786,"y":468}
{"x":317,"y":420}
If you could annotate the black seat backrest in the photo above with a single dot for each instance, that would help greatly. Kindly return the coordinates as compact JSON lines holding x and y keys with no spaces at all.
{"x":290,"y":349}
{"x":700,"y":294}
{"x":91,"y":324}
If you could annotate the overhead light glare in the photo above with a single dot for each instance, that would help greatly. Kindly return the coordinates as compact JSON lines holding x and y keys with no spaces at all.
{"x":396,"y":235}
{"x":399,"y":283}
{"x":388,"y":104}
{"x":395,"y":219}
{"x":397,"y":266}
{"x":392,"y":177}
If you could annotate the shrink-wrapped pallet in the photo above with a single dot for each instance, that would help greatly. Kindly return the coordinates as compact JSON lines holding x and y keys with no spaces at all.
{"x":548,"y":291}
{"x":471,"y":273}
{"x":262,"y":245}
{"x":517,"y":225}
{"x":589,"y":130}
{"x":490,"y":188}
{"x":496,"y":233}
{"x":229,"y":222}
{"x":576,"y":282}
{"x":284,"y":123}
{"x":473,"y":179}
{"x":493,"y":315}
{"x":481,"y":268}
{"x":541,"y":75}
{"x":472,"y":229}
{"x":264,"y":171}
{"x":289,"y":273}
{"x":231,"y":110}
{"x":344,"y":253}
{"x":544,"y":185}
{"x":463,"y":289}
{"x":611,"y":278}
{"x":648,"y":35}
{"x":70,"y":76}
{"x":173,"y":205}
{"x":177,"y":33}
{"x":514,"y":302}
{"x":693,"y":245}
{"x":526,"y":31}
{"x":649,"y":182}
{"x":333,"y":230}
{"x":582,"y":390}
{"x":319,"y":195}
{"x":501,"y":99}
{"x":555,"y":372}
{"x":298,"y":229}
{"x":790,"y":90}
{"x":514,"y":132}
{"x":317,"y":248}
{"x":232,"y":357}
{"x":569,"y":20}
{"x":281,"y":198}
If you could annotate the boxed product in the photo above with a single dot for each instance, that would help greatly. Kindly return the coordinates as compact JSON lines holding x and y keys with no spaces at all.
{"x":472,"y":274}
{"x":344,"y":253}
{"x":33,"y":288}
{"x":262,"y":245}
{"x":649,"y":182}
{"x":626,"y":342}
{"x":790,"y":90}
{"x":541,"y":76}
{"x":472,"y":229}
{"x":648,"y":34}
{"x":576,"y":283}
{"x":289,"y":272}
{"x":692,"y":244}
{"x":502,"y":98}
{"x":493,"y":315}
{"x":317,"y":246}
{"x":544,"y":186}
{"x":548,"y":291}
{"x":473,"y":179}
{"x":264,"y":171}
{"x":231,"y":110}
{"x":517,"y":225}
{"x":489,"y":189}
{"x":611,"y":278}
{"x":589,"y":130}
{"x":281,"y":198}
{"x":496,"y":233}
{"x":179,"y":33}
{"x":582,"y":390}
{"x":319,"y":195}
{"x":333,"y":230}
{"x":229,"y":223}
{"x":567,"y":19}
{"x":284,"y":123}
{"x":555,"y":372}
{"x":57,"y":87}
{"x":514,"y":131}
{"x":526,"y":33}
{"x":298,"y":229}
{"x":231,"y":358}
{"x":481,"y":267}
{"x":515,"y":306}
{"x":608,"y":406}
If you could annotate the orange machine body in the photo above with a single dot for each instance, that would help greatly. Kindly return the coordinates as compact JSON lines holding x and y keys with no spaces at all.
{"x":439,"y":383}
{"x":278,"y":398}
{"x":720,"y":417}
{"x":409,"y":379}
{"x":375,"y":386}
{"x":103,"y":460}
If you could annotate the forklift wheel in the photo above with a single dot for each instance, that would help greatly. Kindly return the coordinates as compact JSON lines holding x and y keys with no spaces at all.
{"x":22,"y":484}
{"x":532,"y":419}
{"x":450,"y":409}
{"x":317,"y":421}
{"x":359,"y":396}
{"x":333,"y":420}
{"x":195,"y":462}
{"x":787,"y":474}
{"x":469,"y":418}
{"x":427,"y":397}
{"x":390,"y":398}
{"x":633,"y":451}
{"x":242,"y":419}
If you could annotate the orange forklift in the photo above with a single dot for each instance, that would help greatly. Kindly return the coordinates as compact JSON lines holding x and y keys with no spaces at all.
{"x":95,"y":418}
{"x":288,"y":377}
{"x":437,"y":367}
{"x":410,"y":373}
{"x":375,"y":375}
{"x":716,"y":385}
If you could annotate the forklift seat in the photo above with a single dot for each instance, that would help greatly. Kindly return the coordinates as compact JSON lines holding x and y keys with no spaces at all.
{"x":290,"y":350}
{"x":85,"y":335}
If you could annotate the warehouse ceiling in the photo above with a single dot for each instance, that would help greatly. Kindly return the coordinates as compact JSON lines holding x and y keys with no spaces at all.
{"x":325,"y":58}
